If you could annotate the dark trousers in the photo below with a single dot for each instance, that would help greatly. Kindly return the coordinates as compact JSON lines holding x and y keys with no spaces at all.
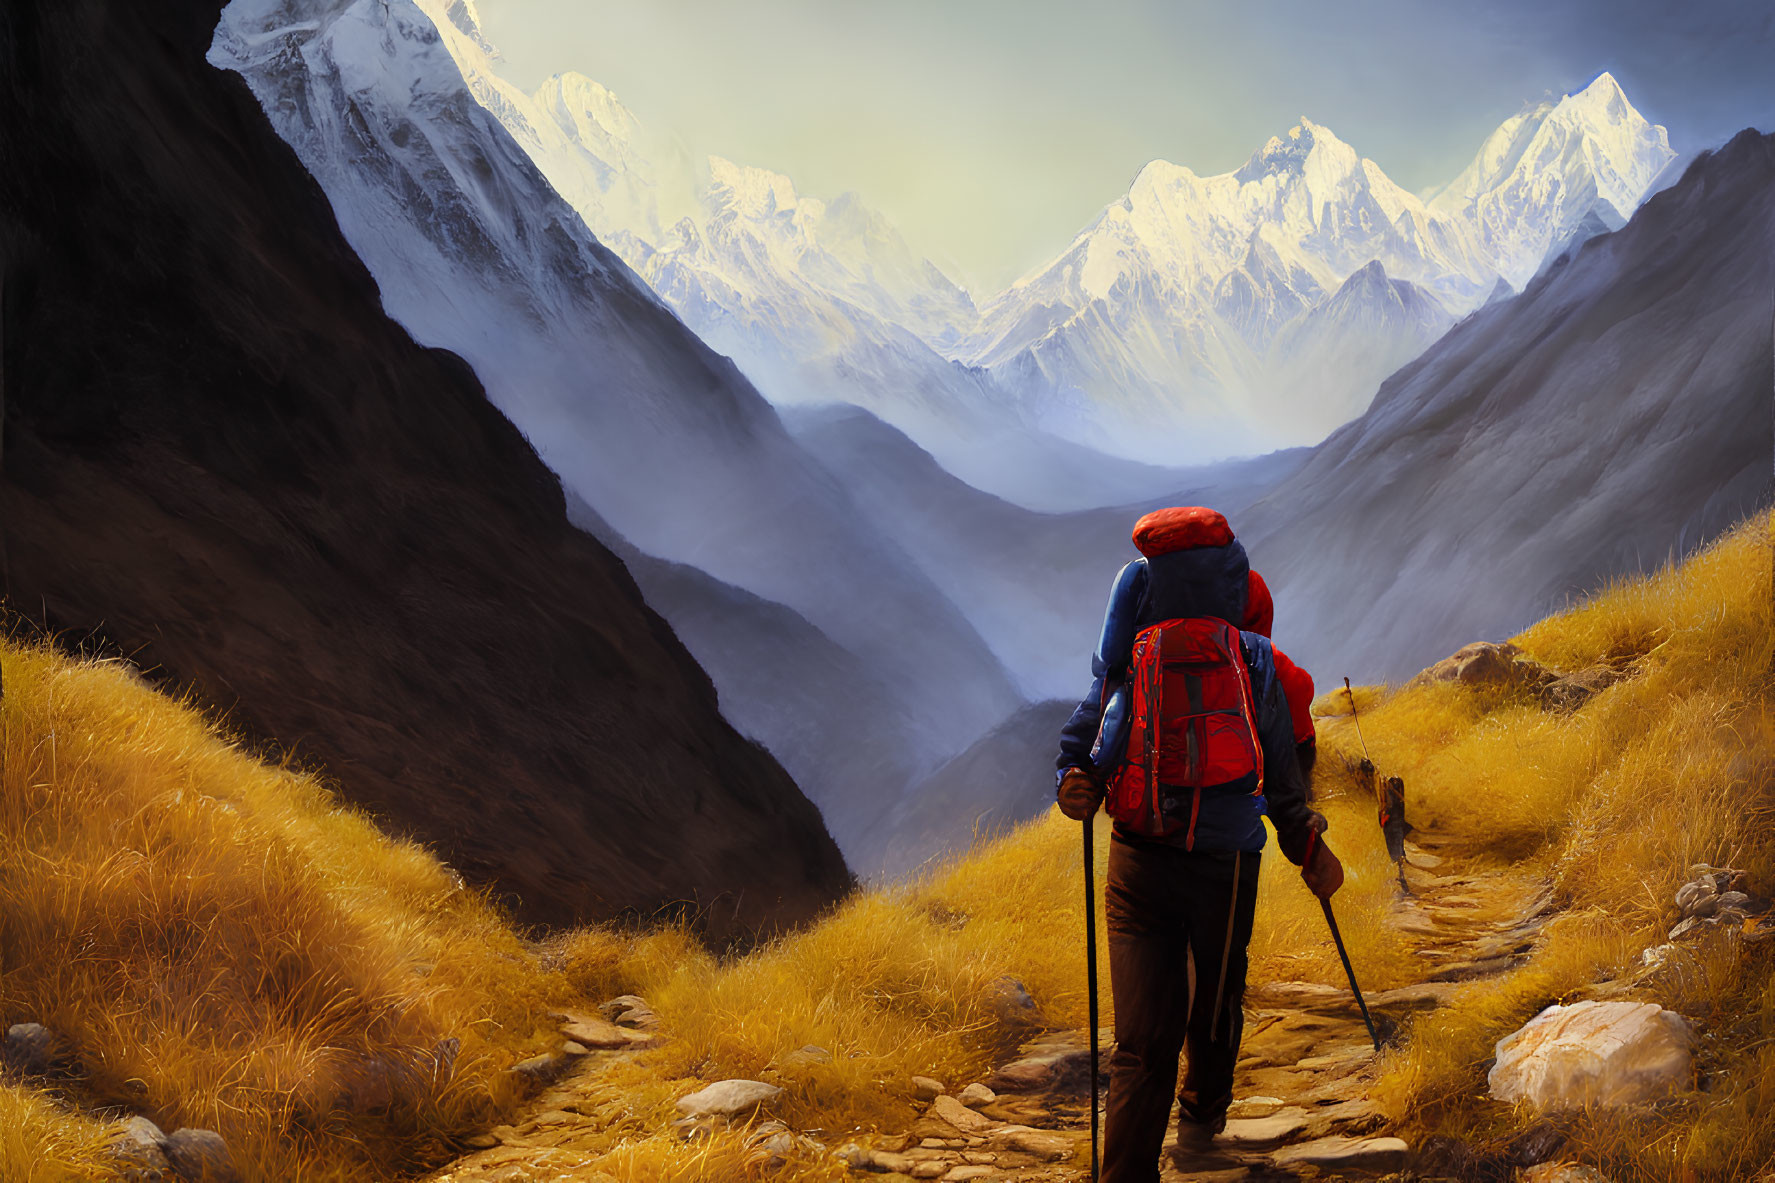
{"x":1179,"y":924}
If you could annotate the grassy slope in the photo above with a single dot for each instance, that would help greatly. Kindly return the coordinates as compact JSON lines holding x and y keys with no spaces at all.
{"x":241,"y":936}
{"x":228,"y":948}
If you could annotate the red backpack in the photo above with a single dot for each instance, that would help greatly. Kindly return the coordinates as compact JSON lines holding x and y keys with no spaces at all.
{"x":1192,"y":725}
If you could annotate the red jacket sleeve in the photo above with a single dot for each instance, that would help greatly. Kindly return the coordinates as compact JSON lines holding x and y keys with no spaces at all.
{"x":1297,"y":685}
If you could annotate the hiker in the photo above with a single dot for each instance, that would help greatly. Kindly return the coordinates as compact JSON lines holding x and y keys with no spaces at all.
{"x":1188,"y":810}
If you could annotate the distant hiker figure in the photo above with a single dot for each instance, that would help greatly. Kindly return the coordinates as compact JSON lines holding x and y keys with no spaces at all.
{"x":1188,"y":738}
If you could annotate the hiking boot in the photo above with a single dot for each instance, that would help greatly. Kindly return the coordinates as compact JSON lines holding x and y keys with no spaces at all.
{"x":1195,"y":1149}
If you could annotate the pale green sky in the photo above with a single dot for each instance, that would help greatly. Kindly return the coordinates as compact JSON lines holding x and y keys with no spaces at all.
{"x":992,"y":132}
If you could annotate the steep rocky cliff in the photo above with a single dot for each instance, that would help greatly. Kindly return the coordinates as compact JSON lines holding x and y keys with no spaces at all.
{"x":222,"y":459}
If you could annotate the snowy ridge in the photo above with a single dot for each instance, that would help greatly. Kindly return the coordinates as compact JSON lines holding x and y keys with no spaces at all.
{"x":1174,"y":328}
{"x":1159,"y":332}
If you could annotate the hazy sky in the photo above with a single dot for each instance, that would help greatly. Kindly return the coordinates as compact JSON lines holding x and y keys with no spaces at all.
{"x":992,"y":132}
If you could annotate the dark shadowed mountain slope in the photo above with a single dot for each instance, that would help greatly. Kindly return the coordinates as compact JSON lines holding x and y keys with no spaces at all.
{"x":1006,"y":777}
{"x":847,"y":738}
{"x":223,"y":456}
{"x":1616,"y":413}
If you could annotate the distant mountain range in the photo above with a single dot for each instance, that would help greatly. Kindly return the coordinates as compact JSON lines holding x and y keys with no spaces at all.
{"x":1615,"y":414}
{"x":678,"y":456}
{"x":865,"y":604}
{"x":1195,"y":318}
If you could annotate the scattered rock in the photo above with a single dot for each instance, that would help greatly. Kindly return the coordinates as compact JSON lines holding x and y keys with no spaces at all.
{"x":1697,"y":898}
{"x":861,"y":1158}
{"x":1247,"y":1108}
{"x":1484,"y":663}
{"x":932,"y":1169}
{"x":570,"y":1048}
{"x":29,"y":1049}
{"x":1714,"y":896}
{"x":1013,"y":1005}
{"x":926,"y":1089}
{"x":542,"y":1069}
{"x":630,"y":1010}
{"x":200,"y":1156}
{"x":1354,"y":1154}
{"x":948,"y":1109}
{"x":1572,"y":691}
{"x":1060,"y":1061}
{"x":480,"y":1141}
{"x":729,"y":1098}
{"x":1594,"y":1053}
{"x":139,"y":1148}
{"x":1657,"y":956}
{"x":976,"y":1095}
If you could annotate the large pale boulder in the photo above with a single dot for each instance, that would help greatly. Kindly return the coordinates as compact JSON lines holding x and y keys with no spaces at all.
{"x":1485,"y":663}
{"x":729,"y":1098}
{"x":1594,"y":1053}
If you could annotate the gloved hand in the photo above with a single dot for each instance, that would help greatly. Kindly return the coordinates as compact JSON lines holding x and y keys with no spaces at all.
{"x":1322,"y":872}
{"x":1080,"y":794}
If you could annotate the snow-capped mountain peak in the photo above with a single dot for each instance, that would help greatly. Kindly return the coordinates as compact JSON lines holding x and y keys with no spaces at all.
{"x":1539,"y":176}
{"x":589,"y":112}
{"x":1307,"y":148}
{"x":756,"y":193}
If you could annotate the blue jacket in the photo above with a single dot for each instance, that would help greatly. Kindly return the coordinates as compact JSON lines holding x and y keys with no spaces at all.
{"x":1206,"y":581}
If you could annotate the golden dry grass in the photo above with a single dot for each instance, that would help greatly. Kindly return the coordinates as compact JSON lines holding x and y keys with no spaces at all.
{"x":242,"y":941}
{"x":1613,"y":804}
{"x":225,"y":947}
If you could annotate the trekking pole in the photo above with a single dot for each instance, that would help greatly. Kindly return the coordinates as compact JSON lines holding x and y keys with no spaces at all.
{"x":1091,"y":974}
{"x":1355,"y":719}
{"x":1344,"y":955}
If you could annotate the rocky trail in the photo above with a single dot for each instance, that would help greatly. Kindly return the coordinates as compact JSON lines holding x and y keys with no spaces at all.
{"x":1304,"y":1076}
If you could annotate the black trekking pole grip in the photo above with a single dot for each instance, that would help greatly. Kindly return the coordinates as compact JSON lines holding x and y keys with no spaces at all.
{"x":1091,"y":973}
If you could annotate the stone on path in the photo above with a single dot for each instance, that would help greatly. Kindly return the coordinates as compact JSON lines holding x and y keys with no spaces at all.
{"x":602,"y":1034}
{"x":542,"y":1069}
{"x":1258,"y":1131}
{"x":630,"y":1010}
{"x":976,"y":1095}
{"x":1041,"y":1144}
{"x":965,"y":1172}
{"x":1594,"y":1053}
{"x":926,"y":1089}
{"x":1354,"y":1154}
{"x":729,"y":1098}
{"x":1250,"y":1107}
{"x":949,"y":1109}
{"x":886,"y":1162}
